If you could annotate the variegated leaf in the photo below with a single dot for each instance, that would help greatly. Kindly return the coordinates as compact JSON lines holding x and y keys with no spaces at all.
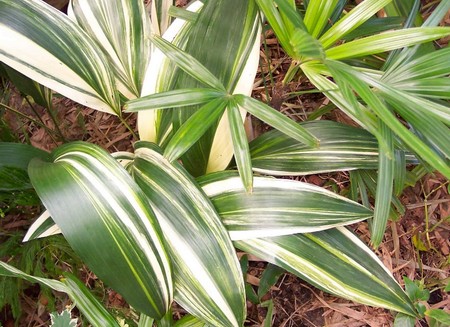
{"x":88,"y":305}
{"x":207,"y":277}
{"x":107,"y":220}
{"x":277,"y":206}
{"x":122,"y":29}
{"x":341,"y":148}
{"x":45,"y":45}
{"x":337,"y":262}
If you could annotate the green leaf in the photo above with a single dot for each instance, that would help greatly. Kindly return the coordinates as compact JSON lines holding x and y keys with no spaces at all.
{"x":107,"y":220}
{"x":304,"y":46}
{"x":40,"y":94}
{"x":386,"y":41}
{"x":14,"y":160}
{"x":91,"y":308}
{"x":63,"y":319}
{"x":337,"y":262}
{"x":318,"y":14}
{"x":341,"y":148}
{"x":122,"y":29}
{"x":277,"y":206}
{"x":188,"y":63}
{"x":351,"y":21}
{"x":190,"y":321}
{"x":285,"y":22}
{"x":402,"y":320}
{"x":240,"y":145}
{"x":208,"y":284}
{"x":439,"y":315}
{"x":173,"y":99}
{"x":194,"y":128}
{"x":269,"y":316}
{"x":268,"y":279}
{"x":145,"y":321}
{"x":85,"y":302}
{"x":45,"y":45}
{"x":385,"y":185}
{"x":347,"y":76}
{"x":159,"y":72}
{"x":277,"y":120}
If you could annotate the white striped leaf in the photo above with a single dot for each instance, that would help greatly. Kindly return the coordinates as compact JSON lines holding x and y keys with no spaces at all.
{"x":351,"y":21}
{"x":158,"y":75}
{"x":337,"y":262}
{"x":277,"y":206}
{"x":88,"y":305}
{"x":122,"y":30}
{"x":233,"y":62}
{"x":207,"y":277}
{"x":45,"y":45}
{"x":341,"y":148}
{"x":107,"y":220}
{"x":386,"y":41}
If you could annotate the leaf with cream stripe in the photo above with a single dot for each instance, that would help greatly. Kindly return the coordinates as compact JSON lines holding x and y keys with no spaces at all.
{"x":45,"y":45}
{"x":122,"y":29}
{"x":208,"y":280}
{"x":337,"y":262}
{"x":107,"y":220}
{"x":277,"y":206}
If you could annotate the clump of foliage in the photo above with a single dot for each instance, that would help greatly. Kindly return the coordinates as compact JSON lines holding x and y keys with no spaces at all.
{"x":162,"y":223}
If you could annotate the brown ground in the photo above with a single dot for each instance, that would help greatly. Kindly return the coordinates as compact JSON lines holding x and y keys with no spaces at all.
{"x":416,"y":246}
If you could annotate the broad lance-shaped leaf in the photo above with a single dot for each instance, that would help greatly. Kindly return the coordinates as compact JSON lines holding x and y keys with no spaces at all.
{"x":88,"y":305}
{"x":277,"y":206}
{"x":337,"y":262}
{"x":208,"y":280}
{"x":341,"y":148}
{"x":122,"y":29}
{"x":158,"y":75}
{"x":45,"y":45}
{"x":107,"y":220}
{"x":14,"y":160}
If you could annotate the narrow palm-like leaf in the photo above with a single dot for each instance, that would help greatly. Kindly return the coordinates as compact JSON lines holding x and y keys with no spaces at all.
{"x":240,"y":145}
{"x":85,"y":301}
{"x":430,"y":88}
{"x":386,"y":41}
{"x":277,"y":206}
{"x":273,"y":16}
{"x":188,"y":63}
{"x":338,"y":95}
{"x":173,"y":99}
{"x":122,"y":29}
{"x":107,"y":220}
{"x":355,"y":18}
{"x":89,"y":306}
{"x":69,"y":62}
{"x":318,"y":14}
{"x":277,"y":120}
{"x":160,"y":15}
{"x":194,"y":128}
{"x":159,"y":74}
{"x":208,"y":280}
{"x":341,"y":148}
{"x":346,"y":75}
{"x":190,"y":321}
{"x":384,"y":187}
{"x":337,"y":262}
